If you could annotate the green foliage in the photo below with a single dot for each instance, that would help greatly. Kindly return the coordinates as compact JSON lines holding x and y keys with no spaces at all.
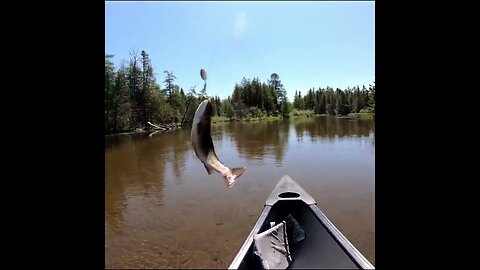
{"x":133,"y":98}
{"x":296,"y":112}
{"x":285,"y":108}
{"x":255,"y":112}
{"x":228,"y":108}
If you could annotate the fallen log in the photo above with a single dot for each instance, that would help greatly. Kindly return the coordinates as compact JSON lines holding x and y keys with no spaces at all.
{"x":153,"y":133}
{"x":163,"y":127}
{"x":155,"y":126}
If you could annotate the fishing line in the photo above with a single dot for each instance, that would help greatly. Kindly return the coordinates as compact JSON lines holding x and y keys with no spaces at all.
{"x":211,"y":63}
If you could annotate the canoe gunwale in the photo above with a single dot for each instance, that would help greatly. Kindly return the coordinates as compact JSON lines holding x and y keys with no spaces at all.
{"x":349,"y":248}
{"x":287,"y":185}
{"x":249,"y":241}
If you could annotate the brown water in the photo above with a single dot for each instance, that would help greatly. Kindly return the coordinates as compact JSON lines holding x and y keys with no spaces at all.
{"x":164,"y":211}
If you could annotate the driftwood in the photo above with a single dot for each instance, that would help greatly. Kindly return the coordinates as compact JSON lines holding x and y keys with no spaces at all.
{"x":155,"y":126}
{"x":153,"y":133}
{"x":162,"y":127}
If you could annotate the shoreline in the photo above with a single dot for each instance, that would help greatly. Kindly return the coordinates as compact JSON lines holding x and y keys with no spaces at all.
{"x":223,"y":119}
{"x":362,"y":116}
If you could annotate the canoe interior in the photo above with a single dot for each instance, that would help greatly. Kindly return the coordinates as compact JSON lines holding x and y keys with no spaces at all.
{"x":318,"y":250}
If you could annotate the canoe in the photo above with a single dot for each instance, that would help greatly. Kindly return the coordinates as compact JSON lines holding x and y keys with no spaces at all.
{"x":323,"y":245}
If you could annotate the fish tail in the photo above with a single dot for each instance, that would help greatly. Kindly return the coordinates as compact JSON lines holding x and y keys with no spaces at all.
{"x":238,"y":171}
{"x":233,"y":176}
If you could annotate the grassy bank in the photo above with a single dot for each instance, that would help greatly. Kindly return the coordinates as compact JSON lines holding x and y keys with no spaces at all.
{"x":220,"y":119}
{"x":299,"y":114}
{"x":294,"y":115}
{"x":304,"y":113}
{"x":362,"y":115}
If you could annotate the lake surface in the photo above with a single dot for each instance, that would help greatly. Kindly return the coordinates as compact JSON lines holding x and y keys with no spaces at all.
{"x":162,"y":209}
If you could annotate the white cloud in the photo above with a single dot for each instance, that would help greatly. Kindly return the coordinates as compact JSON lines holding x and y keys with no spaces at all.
{"x":240,"y":24}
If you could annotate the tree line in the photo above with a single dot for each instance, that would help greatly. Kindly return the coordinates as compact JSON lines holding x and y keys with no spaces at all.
{"x":343,"y":102}
{"x":133,"y":97}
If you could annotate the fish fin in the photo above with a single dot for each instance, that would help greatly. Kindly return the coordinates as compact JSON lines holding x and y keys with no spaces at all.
{"x":209,"y":169}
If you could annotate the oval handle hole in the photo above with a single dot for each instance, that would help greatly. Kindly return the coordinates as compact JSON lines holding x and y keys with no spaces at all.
{"x":289,"y":195}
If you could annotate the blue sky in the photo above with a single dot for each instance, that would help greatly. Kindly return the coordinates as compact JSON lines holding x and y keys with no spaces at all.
{"x":308,"y":44}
